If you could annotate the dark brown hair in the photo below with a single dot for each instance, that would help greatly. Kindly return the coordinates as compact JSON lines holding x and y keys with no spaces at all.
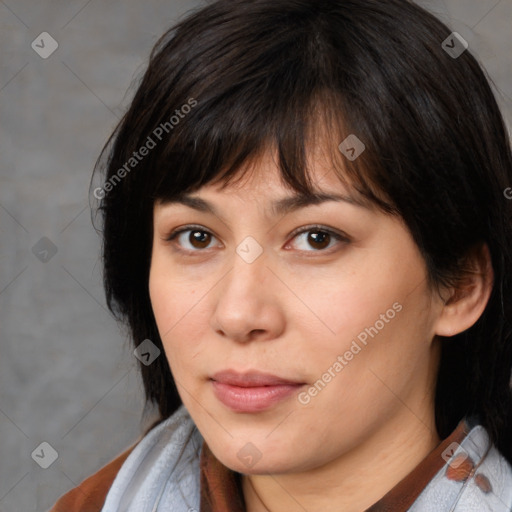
{"x":260,"y":74}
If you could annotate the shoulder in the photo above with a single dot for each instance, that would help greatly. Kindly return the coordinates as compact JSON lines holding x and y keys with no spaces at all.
{"x":164,"y":466}
{"x":90,"y":495}
{"x":476,"y":478}
{"x":489,"y":487}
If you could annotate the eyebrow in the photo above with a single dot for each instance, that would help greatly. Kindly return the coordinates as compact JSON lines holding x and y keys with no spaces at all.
{"x":279,"y":207}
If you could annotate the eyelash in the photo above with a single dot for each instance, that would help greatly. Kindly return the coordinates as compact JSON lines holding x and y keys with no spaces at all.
{"x":315,"y":228}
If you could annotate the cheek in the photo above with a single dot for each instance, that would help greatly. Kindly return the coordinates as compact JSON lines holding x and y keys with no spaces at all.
{"x":379,"y":321}
{"x":171,"y":294}
{"x":365,"y":287}
{"x":374,"y":359}
{"x":177,"y":310}
{"x":337,"y":316}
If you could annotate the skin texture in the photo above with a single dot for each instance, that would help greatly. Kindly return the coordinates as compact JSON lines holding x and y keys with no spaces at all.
{"x":292,"y":312}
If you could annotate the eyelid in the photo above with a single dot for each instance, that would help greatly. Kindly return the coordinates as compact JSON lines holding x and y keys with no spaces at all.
{"x":319,"y":227}
{"x":189,"y":227}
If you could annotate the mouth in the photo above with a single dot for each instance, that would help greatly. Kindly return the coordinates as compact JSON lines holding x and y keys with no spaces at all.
{"x":252,"y":391}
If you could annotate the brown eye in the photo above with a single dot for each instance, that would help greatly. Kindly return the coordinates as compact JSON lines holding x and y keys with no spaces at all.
{"x":191,"y":239}
{"x":319,"y":239}
{"x":199,"y":239}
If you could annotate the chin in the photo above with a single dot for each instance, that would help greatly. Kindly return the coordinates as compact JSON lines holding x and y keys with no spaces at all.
{"x":258,"y":464}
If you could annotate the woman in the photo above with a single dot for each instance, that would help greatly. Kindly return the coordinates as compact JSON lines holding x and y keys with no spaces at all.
{"x":306,"y":231}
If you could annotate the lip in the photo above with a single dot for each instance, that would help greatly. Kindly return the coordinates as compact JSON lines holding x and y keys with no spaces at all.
{"x":251,"y":391}
{"x":251,"y":379}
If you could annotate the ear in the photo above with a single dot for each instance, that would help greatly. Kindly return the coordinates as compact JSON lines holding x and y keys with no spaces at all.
{"x":464,"y":305}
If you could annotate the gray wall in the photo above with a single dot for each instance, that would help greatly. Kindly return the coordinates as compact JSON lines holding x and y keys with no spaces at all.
{"x":67,"y":376}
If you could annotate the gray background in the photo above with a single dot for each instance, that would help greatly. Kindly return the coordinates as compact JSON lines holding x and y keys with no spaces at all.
{"x":67,"y":375}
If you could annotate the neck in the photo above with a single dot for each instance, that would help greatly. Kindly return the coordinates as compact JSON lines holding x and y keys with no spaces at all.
{"x":352,"y":482}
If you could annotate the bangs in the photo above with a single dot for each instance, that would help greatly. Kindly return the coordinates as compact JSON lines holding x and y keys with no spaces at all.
{"x":296,"y":127}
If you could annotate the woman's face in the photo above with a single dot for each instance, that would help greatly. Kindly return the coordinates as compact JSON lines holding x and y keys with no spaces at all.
{"x":328,"y":301}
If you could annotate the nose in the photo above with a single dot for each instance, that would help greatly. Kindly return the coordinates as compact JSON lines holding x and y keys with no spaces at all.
{"x":247,"y":303}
